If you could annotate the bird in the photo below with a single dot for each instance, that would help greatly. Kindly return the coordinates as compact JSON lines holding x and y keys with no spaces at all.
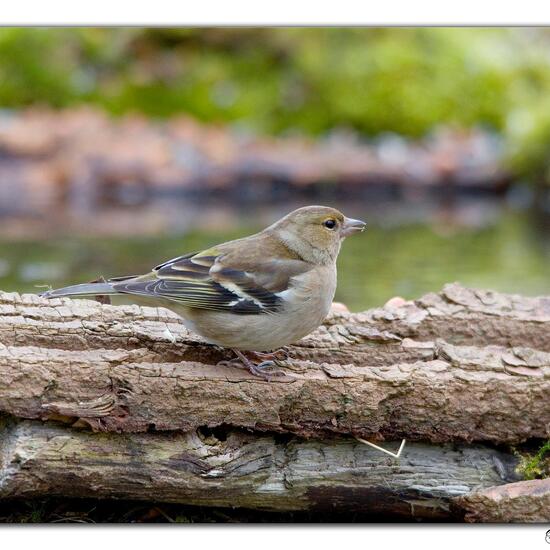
{"x":253,"y":295}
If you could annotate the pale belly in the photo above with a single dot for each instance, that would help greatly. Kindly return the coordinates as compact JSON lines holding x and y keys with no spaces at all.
{"x":311,"y":302}
{"x":253,"y":332}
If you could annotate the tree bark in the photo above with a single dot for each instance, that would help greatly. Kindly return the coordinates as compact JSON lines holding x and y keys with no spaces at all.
{"x":378,"y":374}
{"x":236,"y":469}
{"x":455,"y":372}
{"x":521,"y":502}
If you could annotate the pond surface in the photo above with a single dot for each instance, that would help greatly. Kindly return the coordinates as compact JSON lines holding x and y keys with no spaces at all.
{"x":407,"y":259}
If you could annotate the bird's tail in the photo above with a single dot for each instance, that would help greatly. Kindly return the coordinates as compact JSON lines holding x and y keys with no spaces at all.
{"x":83,"y":290}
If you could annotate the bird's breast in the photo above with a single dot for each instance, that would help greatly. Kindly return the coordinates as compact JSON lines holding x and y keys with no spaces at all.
{"x":306,"y":303}
{"x":311,"y":293}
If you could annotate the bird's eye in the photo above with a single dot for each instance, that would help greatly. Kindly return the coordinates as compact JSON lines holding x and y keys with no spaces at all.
{"x":330,"y":223}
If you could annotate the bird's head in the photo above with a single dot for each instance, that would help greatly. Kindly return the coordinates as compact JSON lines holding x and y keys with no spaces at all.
{"x":316,"y":232}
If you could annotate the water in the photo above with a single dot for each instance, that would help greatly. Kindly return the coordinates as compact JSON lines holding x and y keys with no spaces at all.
{"x":407,"y":259}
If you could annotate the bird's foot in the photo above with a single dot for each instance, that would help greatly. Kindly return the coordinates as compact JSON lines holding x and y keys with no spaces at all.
{"x":266,"y":368}
{"x":281,"y":354}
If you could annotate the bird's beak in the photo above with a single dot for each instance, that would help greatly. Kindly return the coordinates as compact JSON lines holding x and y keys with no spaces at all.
{"x":352,"y":226}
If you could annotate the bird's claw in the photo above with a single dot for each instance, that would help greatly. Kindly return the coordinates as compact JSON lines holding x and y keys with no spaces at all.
{"x":266,"y":369}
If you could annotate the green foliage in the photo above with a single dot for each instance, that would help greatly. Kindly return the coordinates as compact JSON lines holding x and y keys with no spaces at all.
{"x":274,"y":80}
{"x":307,"y":80}
{"x":529,"y":142}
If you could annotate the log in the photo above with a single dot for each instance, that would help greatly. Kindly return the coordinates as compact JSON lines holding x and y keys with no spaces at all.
{"x":461,"y":365}
{"x":521,"y":502}
{"x":229,"y":468}
{"x":456,"y":372}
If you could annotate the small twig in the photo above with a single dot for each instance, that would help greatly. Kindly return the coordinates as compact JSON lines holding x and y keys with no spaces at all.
{"x":169,"y":335}
{"x":395,"y":455}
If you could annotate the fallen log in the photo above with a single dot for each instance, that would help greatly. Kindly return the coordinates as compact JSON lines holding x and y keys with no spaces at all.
{"x":237,"y":469}
{"x":454,"y":372}
{"x":460,"y":365}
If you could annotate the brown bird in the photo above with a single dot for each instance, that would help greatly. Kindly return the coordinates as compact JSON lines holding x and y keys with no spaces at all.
{"x":255,"y":294}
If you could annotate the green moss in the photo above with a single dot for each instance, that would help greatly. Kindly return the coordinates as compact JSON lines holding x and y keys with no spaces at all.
{"x":536,"y":466}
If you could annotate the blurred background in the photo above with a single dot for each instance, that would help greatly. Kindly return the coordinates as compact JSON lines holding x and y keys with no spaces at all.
{"x":123,"y":147}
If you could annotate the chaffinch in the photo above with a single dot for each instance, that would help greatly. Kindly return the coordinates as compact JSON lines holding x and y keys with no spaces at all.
{"x":255,"y":294}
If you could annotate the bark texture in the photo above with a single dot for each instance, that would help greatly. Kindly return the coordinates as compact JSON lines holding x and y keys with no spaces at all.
{"x":521,"y":502}
{"x":456,"y":372}
{"x":238,"y":469}
{"x":461,"y":365}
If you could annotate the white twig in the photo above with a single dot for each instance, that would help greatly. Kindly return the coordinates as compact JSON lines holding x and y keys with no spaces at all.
{"x":395,"y":455}
{"x":169,"y":335}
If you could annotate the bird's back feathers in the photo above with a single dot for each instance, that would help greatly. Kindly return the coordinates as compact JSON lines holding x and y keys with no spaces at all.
{"x":243,"y":277}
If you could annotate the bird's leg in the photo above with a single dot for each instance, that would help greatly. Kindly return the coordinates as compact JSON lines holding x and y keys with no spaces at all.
{"x":264,"y":364}
{"x":261,"y":369}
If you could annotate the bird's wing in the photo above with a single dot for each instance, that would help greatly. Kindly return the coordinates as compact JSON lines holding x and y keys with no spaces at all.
{"x":222,"y":279}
